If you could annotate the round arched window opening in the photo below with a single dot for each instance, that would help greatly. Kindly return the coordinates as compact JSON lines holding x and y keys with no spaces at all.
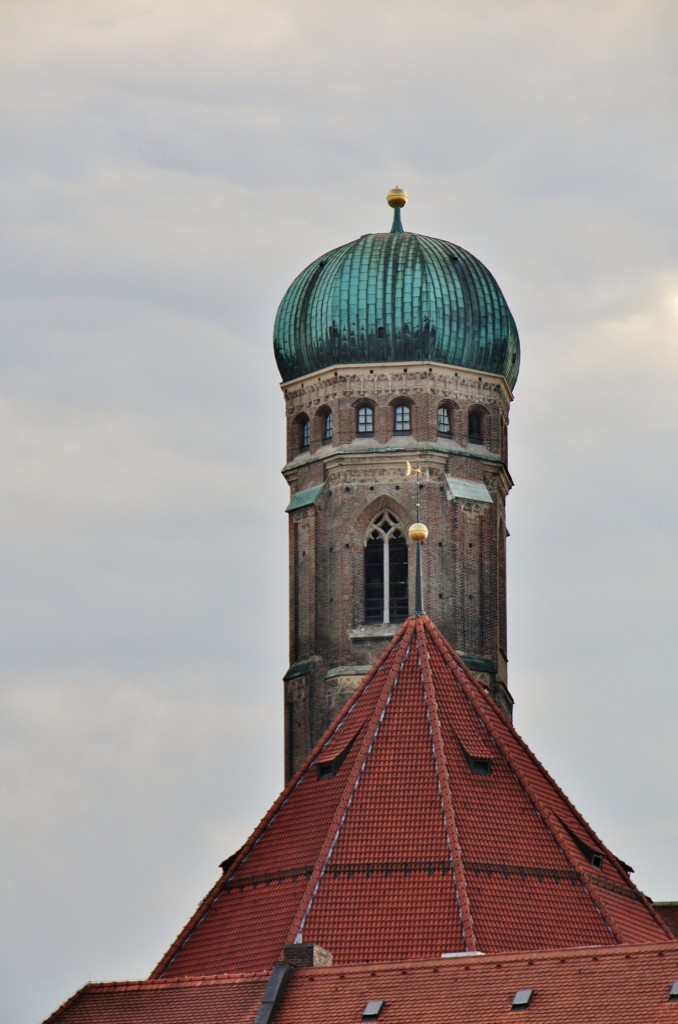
{"x":475,"y":426}
{"x":445,"y":420}
{"x":365,"y":420}
{"x":402,"y":419}
{"x":304,"y":434}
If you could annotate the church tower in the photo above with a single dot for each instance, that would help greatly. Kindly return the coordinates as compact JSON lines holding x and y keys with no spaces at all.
{"x":395,"y":348}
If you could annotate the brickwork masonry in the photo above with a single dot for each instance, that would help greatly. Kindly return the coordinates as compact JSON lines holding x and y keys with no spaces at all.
{"x":361,"y":476}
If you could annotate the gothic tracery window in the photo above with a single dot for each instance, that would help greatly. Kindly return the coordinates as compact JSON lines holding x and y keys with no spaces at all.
{"x":385,"y":570}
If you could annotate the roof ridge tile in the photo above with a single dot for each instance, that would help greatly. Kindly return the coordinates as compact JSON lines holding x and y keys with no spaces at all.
{"x":403,"y":638}
{"x":487,"y":706}
{"x":406,"y":846}
{"x":449,"y":816}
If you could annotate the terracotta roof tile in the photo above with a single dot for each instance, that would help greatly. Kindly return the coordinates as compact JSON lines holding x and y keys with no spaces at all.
{"x":439,"y":831}
{"x":602,"y":985}
{"x":586,"y":986}
{"x":197,"y":1001}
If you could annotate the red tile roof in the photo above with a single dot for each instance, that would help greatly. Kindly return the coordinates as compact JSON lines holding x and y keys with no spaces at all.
{"x":610,"y":985}
{"x":420,"y":824}
{"x":196,"y":1001}
{"x":604,"y":985}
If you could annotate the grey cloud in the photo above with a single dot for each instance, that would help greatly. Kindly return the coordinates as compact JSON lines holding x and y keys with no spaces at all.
{"x":167,"y":170}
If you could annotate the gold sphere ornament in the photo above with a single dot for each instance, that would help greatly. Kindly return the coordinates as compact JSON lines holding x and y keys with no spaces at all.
{"x":396,"y":197}
{"x":418,"y":531}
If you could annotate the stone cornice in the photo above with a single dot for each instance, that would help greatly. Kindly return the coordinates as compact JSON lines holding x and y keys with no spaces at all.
{"x":415,"y":373}
{"x":358,"y":452}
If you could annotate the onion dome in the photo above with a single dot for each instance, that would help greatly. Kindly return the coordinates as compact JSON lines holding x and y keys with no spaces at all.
{"x":396,"y":296}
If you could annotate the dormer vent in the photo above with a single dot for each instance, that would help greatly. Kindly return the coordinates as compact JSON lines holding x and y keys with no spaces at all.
{"x":593,"y":855}
{"x":329,"y":768}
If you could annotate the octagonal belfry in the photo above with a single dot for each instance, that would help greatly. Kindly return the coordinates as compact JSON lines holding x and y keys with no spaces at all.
{"x":396,"y":348}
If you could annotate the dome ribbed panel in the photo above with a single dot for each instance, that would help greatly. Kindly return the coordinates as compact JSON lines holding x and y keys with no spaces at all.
{"x":395,"y":297}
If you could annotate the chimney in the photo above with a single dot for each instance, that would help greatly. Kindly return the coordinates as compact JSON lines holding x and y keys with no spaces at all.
{"x":305,"y":954}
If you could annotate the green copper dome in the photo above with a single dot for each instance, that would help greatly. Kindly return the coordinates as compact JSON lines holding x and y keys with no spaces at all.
{"x":396,"y":296}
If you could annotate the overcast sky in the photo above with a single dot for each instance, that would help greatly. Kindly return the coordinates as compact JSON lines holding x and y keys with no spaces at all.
{"x":167,"y":169}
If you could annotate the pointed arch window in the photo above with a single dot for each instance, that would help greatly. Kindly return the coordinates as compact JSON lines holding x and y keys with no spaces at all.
{"x":328,"y":426}
{"x":385,"y":570}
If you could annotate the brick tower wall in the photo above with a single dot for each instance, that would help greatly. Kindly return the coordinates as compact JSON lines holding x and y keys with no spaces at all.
{"x":340,"y":486}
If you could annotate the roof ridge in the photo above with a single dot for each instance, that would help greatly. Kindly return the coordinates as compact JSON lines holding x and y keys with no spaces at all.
{"x":474,"y":961}
{"x":188,"y":981}
{"x":442,"y":771}
{"x":388,"y":793}
{"x":579,"y":817}
{"x":202,"y":908}
{"x":551,"y":820}
{"x":268,"y":818}
{"x":402,"y":638}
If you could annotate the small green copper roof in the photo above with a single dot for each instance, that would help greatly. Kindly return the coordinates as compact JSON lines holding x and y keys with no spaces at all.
{"x":303,"y":498}
{"x":392,"y":297}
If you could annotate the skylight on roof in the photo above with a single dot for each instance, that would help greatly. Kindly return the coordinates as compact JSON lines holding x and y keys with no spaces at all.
{"x":521,"y":999}
{"x":673,"y":991}
{"x":373,"y":1009}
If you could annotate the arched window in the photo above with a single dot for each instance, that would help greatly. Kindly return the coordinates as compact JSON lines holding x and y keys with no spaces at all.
{"x":385,"y":570}
{"x":328,"y":426}
{"x":445,"y":420}
{"x":402,"y":419}
{"x":365,"y":419}
{"x":475,"y":426}
{"x":304,"y":434}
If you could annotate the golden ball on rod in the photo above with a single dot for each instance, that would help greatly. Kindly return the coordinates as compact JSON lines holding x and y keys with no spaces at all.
{"x":418,"y":531}
{"x":396,"y":197}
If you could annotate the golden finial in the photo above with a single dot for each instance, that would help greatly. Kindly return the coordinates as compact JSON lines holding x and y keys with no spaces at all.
{"x":396,"y":197}
{"x":418,"y":531}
